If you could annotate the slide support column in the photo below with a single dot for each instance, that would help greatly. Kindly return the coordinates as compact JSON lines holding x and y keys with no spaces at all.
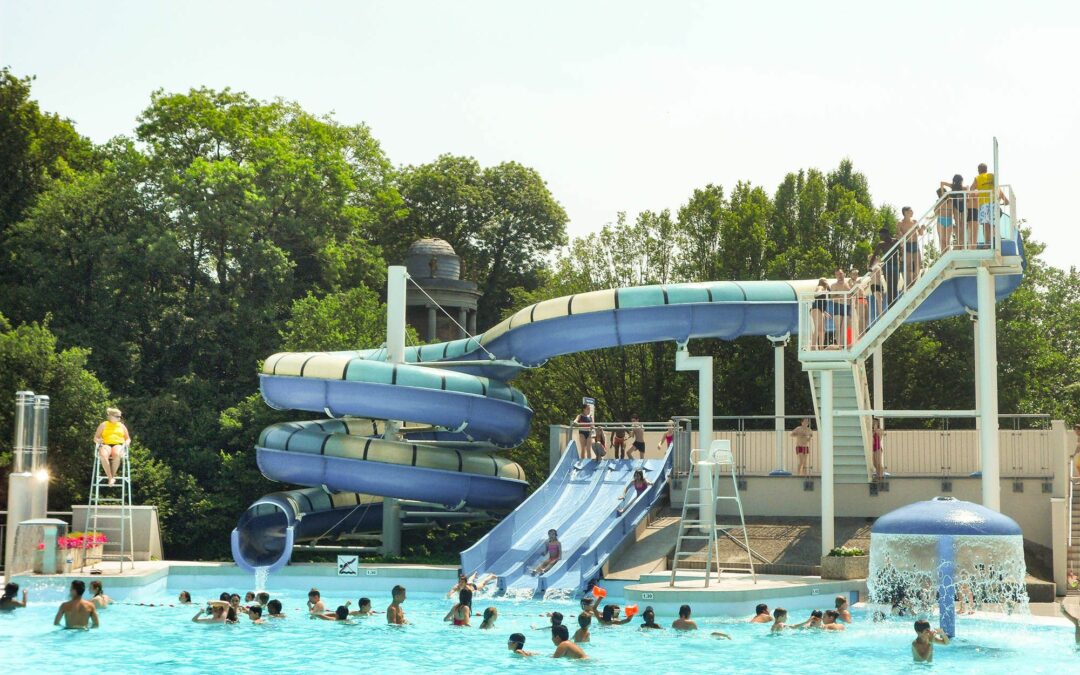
{"x":703,"y":365}
{"x":779,"y":342}
{"x":986,"y":367}
{"x":396,"y":279}
{"x":879,"y":383}
{"x":827,"y":525}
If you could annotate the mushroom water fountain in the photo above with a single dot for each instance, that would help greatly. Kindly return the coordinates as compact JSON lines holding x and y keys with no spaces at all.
{"x":944,"y":549}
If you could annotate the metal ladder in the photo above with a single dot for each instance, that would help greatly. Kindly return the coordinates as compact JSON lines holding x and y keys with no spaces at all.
{"x":118,"y":509}
{"x":718,"y":457}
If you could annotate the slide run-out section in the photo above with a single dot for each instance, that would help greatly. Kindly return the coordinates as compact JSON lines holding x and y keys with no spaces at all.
{"x":458,"y":393}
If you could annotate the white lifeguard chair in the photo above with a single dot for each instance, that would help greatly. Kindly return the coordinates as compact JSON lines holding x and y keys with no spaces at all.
{"x":113,"y":509}
{"x":702,"y":493}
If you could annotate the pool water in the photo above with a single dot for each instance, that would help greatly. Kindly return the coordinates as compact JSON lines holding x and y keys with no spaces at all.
{"x":163,"y":639}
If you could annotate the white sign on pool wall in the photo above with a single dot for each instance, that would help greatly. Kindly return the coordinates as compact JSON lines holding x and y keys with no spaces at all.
{"x":348,"y":565}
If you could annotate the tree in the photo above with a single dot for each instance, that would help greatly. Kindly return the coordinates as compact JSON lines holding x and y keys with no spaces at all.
{"x":501,"y":220}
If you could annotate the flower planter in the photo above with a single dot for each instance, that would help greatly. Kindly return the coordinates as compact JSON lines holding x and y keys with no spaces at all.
{"x":72,"y":559}
{"x":845,"y":567}
{"x":93,"y":554}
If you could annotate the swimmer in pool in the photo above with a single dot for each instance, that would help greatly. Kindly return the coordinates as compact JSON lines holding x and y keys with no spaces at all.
{"x":564,"y":648}
{"x":339,"y":615}
{"x":254,"y":612}
{"x":490,"y":614}
{"x":8,"y":601}
{"x":76,"y":612}
{"x":648,"y":620}
{"x":684,"y":622}
{"x":461,"y":613}
{"x":554,"y":552}
{"x":779,"y":617}
{"x":761,"y":614}
{"x":395,"y":615}
{"x":842,"y":609}
{"x":610,"y":616}
{"x":273,"y":609}
{"x":582,"y":633}
{"x":315,"y":604}
{"x":364,"y":609}
{"x":184,"y":598}
{"x":216,"y":611}
{"x":98,"y":597}
{"x":922,"y":647}
{"x":516,"y":644}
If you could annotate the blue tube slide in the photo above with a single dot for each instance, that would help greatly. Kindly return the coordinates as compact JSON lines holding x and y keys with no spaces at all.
{"x":474,"y":412}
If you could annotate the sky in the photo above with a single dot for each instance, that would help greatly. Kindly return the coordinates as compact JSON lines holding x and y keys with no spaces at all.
{"x":621,"y":106}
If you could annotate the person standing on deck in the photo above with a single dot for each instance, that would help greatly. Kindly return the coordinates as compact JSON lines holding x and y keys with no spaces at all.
{"x":907,"y":229}
{"x":802,"y":435}
{"x":984,"y":185}
{"x":111,"y":439}
{"x":584,"y":423}
{"x":638,"y":429}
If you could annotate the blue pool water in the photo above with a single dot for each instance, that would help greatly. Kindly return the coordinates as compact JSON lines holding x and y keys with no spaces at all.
{"x":163,"y":639}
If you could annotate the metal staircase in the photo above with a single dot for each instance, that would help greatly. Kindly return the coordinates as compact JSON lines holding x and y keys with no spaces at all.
{"x":111,"y":505}
{"x":702,"y":493}
{"x":852,"y":449}
{"x":1072,"y":555}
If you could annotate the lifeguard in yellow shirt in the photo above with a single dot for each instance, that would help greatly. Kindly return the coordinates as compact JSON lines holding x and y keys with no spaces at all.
{"x":112,"y":439}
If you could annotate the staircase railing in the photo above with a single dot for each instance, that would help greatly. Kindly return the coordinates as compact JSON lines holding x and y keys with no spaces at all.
{"x":963,"y":220}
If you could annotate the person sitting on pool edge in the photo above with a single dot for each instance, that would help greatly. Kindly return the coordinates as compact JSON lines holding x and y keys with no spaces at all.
{"x":395,"y":615}
{"x":553,"y":549}
{"x":922,"y":647}
{"x":110,"y":439}
{"x":842,"y":608}
{"x":584,"y":620}
{"x":564,"y":648}
{"x":648,"y":620}
{"x":761,"y":614}
{"x":8,"y":601}
{"x":684,"y":622}
{"x":77,"y":612}
{"x":516,"y":644}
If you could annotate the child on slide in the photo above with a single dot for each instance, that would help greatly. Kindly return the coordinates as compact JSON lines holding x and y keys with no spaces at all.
{"x":554,"y":552}
{"x":639,"y":484}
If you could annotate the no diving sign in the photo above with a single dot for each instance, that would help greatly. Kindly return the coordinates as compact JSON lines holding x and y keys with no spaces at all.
{"x":348,"y":565}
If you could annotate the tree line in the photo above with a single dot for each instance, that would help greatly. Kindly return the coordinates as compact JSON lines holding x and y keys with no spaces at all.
{"x":155,"y":271}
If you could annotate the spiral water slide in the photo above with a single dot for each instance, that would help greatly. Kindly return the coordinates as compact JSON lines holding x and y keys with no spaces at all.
{"x":458,"y":391}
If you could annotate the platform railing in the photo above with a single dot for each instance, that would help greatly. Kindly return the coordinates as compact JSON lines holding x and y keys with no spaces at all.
{"x":962,"y":220}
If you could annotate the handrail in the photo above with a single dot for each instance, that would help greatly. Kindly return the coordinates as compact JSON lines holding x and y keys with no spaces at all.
{"x":955,"y":222}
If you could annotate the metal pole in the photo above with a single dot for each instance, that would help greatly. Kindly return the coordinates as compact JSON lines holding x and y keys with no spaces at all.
{"x":778,"y":403}
{"x":988,"y":396}
{"x":24,"y":422}
{"x":20,"y":480}
{"x":39,"y":499}
{"x":395,"y":353}
{"x":827,"y":532}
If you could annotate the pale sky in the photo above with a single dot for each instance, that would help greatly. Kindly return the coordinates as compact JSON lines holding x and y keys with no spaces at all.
{"x":621,"y":106}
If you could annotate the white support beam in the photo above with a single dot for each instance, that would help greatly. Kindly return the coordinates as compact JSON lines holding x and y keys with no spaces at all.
{"x":879,"y":382}
{"x":704,"y":367}
{"x":986,"y":367}
{"x":779,"y":342}
{"x":828,"y":536}
{"x":396,"y":278}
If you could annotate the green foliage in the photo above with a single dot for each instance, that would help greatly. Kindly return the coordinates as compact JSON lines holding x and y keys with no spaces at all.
{"x":31,"y":360}
{"x":846,"y":552}
{"x":502,"y":220}
{"x":338,"y":322}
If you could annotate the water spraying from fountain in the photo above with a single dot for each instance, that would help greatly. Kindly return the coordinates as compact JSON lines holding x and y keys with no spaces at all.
{"x":262,"y":575}
{"x":943,"y":550}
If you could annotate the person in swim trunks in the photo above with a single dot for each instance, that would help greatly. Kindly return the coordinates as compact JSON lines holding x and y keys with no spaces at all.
{"x":802,"y":435}
{"x":820,"y":312}
{"x":878,"y":450}
{"x":618,"y":442}
{"x":76,"y":612}
{"x":553,"y":549}
{"x":907,"y":229}
{"x":638,"y":430}
{"x":984,"y":185}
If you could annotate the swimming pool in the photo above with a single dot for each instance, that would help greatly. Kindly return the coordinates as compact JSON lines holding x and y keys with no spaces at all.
{"x":163,"y":639}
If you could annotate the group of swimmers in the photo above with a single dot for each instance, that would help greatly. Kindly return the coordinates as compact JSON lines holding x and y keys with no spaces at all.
{"x":75,"y":612}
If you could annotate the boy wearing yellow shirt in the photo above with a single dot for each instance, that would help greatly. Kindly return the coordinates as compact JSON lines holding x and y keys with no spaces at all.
{"x":112,"y":438}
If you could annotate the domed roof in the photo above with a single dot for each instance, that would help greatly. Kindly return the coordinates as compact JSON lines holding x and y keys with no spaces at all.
{"x":945,"y":515}
{"x":431,"y":246}
{"x":432,"y":258}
